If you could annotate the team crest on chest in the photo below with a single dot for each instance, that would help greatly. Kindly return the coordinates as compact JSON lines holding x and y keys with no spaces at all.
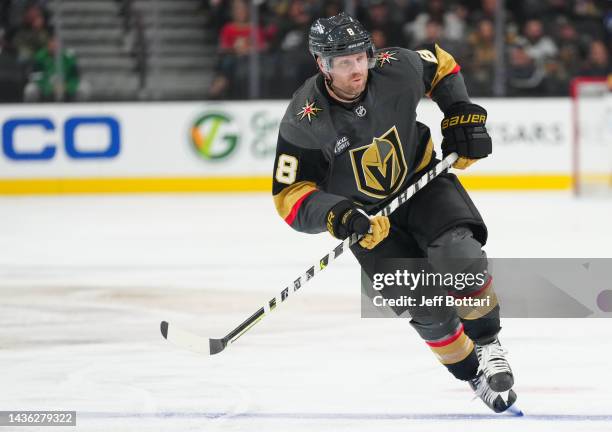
{"x":309,"y":110}
{"x":385,"y":57}
{"x":380,"y":167}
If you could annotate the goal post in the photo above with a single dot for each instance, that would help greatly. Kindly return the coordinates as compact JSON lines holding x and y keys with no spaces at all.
{"x":592,"y":135}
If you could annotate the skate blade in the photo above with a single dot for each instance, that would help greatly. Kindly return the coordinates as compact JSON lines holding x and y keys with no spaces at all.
{"x":514,"y":411}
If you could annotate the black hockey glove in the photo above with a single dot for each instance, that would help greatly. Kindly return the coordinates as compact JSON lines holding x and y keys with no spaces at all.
{"x":345,"y":219}
{"x":463,"y":128}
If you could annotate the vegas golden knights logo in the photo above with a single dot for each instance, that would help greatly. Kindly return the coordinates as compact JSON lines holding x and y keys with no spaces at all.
{"x":380,"y":167}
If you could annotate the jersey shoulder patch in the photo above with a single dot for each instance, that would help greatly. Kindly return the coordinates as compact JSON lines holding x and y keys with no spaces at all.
{"x":396,"y":59}
{"x":306,"y":122}
{"x":387,"y":57}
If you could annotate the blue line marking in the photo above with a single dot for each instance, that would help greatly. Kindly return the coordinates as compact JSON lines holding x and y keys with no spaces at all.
{"x":349,"y":416}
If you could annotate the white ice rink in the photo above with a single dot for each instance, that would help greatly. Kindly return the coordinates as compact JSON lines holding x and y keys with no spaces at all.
{"x":85,"y":281}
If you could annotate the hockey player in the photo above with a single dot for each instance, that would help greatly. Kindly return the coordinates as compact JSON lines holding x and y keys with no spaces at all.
{"x":349,"y":142}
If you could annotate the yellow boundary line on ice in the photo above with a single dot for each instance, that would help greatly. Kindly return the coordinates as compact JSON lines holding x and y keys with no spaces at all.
{"x":242,"y":184}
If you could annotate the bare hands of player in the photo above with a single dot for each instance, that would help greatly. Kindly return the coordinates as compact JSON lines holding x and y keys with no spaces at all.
{"x":379,"y":230}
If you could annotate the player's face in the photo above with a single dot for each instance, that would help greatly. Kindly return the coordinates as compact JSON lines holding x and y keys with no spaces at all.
{"x":349,"y":74}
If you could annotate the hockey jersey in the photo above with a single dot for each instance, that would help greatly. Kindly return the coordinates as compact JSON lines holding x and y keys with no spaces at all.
{"x":367,"y":151}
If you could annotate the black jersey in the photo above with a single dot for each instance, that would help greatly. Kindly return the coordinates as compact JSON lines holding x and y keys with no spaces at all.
{"x":367,"y":151}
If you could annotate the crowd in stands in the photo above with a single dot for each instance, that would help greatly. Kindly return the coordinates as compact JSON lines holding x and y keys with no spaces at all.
{"x":31,"y":68}
{"x":547,"y":42}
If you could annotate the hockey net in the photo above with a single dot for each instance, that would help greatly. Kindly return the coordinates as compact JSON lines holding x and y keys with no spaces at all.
{"x":592,"y":123}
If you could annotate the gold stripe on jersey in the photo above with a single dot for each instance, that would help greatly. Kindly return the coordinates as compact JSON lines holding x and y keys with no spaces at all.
{"x":286,"y":199}
{"x":426,"y":156}
{"x":446,"y":64}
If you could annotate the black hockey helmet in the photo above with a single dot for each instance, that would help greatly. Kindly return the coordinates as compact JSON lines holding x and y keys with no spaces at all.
{"x":339,"y":35}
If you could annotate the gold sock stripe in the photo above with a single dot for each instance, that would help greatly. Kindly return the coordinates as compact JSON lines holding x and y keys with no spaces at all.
{"x":454,"y":352}
{"x":487,"y":300}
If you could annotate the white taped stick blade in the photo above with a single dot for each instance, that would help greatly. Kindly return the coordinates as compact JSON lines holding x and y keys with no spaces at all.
{"x":185,"y":339}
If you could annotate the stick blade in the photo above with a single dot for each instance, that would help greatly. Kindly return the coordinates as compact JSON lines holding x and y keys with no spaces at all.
{"x":187,"y":340}
{"x":216,"y":345}
{"x":164,"y":329}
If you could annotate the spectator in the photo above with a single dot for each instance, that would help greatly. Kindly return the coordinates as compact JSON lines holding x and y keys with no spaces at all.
{"x":217,"y":13}
{"x":332,"y":8}
{"x":407,"y":10}
{"x":540,"y":61}
{"x":588,"y":16}
{"x":487,"y":10}
{"x":537,"y":44}
{"x":565,"y":66}
{"x":235,"y":36}
{"x":47,"y":83}
{"x":379,"y":39}
{"x":453,"y":27}
{"x":533,"y":8}
{"x":569,"y":44}
{"x":434,"y":34}
{"x":13,"y":12}
{"x":235,"y":44}
{"x":525,"y":74}
{"x":295,"y":62}
{"x":597,"y":63}
{"x":481,"y":60}
{"x":293,"y":31}
{"x":11,"y":75}
{"x":378,"y":19}
{"x":586,"y":8}
{"x":32,"y":36}
{"x":559,"y":8}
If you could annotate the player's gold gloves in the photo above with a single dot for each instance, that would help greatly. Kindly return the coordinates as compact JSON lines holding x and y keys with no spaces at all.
{"x":464,"y":131}
{"x":379,"y":227}
{"x":344,"y":219}
{"x":462,"y":163}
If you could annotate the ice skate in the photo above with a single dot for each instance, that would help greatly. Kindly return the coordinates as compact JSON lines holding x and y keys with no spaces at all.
{"x":494,"y":366}
{"x":498,"y":402}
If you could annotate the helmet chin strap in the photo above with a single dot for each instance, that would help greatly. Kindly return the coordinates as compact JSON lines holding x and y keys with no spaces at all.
{"x":329,"y":81}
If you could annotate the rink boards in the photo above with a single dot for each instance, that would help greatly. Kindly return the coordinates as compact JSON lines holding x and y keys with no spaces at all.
{"x":230,"y":146}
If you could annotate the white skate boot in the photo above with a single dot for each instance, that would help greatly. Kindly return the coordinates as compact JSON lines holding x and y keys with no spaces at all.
{"x":494,"y":366}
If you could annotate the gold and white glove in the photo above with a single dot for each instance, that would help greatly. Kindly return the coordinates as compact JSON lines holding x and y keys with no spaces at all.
{"x":379,"y":230}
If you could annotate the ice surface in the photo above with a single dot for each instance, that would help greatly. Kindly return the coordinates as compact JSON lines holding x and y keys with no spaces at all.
{"x":85,"y":281}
